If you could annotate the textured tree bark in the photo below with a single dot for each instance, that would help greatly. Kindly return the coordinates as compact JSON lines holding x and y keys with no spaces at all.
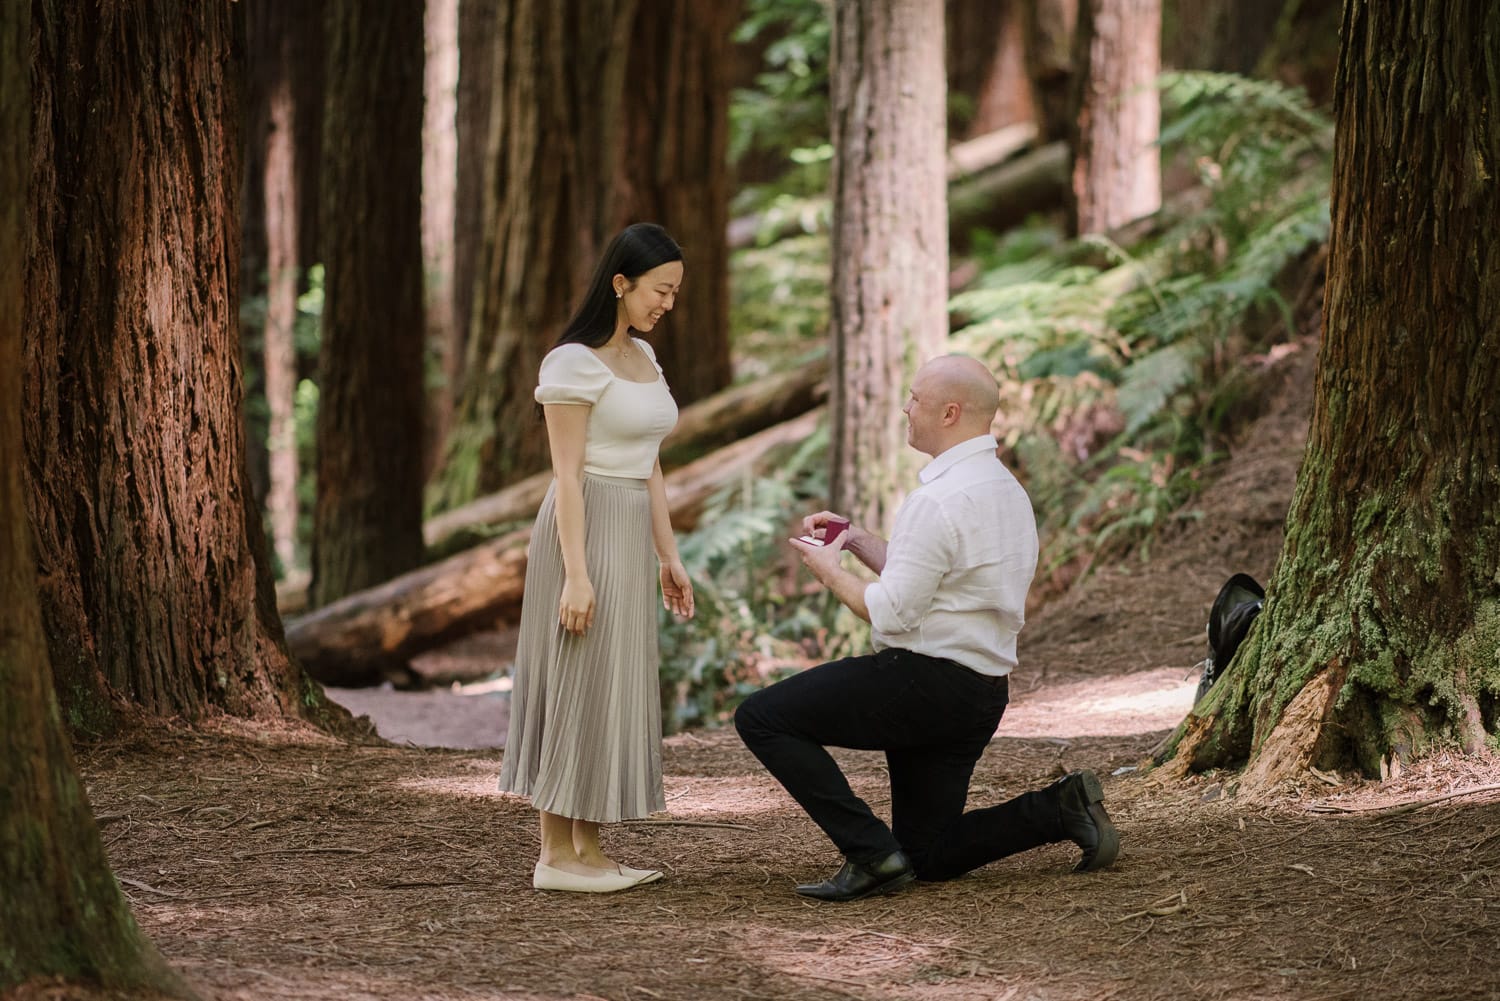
{"x":251,"y":21}
{"x":64,"y":915}
{"x":551,"y":165}
{"x":142,"y":521}
{"x":439,"y":215}
{"x":476,"y":80}
{"x":1116,"y":165}
{"x":675,"y":171}
{"x":367,"y":519}
{"x":1047,"y":31}
{"x":986,"y":63}
{"x":356,"y":640}
{"x":890,"y":241}
{"x":309,"y":34}
{"x":1382,"y":618}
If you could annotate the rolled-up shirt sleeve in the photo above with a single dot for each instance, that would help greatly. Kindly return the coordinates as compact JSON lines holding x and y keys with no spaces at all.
{"x":921,"y":554}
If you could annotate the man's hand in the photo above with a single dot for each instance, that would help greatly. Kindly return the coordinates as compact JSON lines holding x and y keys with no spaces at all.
{"x":823,"y":561}
{"x":867,"y":547}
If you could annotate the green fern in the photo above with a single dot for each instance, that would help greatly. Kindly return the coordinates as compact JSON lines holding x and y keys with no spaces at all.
{"x":1113,"y":371}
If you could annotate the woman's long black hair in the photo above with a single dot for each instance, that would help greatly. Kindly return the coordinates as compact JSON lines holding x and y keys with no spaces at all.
{"x":636,"y":250}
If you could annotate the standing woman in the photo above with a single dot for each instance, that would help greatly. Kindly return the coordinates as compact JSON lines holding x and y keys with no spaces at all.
{"x":585,"y":726}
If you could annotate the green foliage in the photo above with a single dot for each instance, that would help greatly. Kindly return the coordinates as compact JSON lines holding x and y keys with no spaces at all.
{"x":788,"y":107}
{"x":754,"y":621}
{"x":307,"y":334}
{"x":779,"y":126}
{"x":1122,"y":366}
{"x":778,"y":309}
{"x":305,"y":412}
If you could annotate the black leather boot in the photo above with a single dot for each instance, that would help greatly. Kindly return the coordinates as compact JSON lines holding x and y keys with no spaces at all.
{"x":1080,"y":806}
{"x":855,"y":881}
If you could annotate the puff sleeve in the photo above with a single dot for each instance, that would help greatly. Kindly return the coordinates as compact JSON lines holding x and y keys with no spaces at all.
{"x":571,"y":373}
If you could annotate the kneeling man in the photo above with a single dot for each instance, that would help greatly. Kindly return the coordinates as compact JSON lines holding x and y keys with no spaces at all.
{"x":944,"y":613}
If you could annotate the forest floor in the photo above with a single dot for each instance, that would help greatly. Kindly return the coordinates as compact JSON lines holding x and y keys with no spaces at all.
{"x":284,"y":865}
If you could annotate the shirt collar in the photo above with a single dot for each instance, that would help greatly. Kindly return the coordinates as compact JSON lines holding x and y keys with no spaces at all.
{"x":953,"y":456}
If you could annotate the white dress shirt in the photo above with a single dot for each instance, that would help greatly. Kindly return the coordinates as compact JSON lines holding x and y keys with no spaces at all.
{"x":959,"y":562}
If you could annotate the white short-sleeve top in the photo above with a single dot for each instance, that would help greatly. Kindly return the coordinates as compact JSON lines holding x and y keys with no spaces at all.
{"x":628,"y":419}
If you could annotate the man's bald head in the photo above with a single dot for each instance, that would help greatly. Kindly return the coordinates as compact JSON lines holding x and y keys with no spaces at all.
{"x":953,"y":399}
{"x":967,"y":382}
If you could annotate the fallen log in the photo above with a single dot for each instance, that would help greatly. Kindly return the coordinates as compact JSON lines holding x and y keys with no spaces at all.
{"x":1005,"y":196}
{"x":361,"y":638}
{"x":710,"y":423}
{"x":987,"y":181}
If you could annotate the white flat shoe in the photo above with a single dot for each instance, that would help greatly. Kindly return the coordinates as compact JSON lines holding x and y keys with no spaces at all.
{"x":545,"y":877}
{"x":641,"y":876}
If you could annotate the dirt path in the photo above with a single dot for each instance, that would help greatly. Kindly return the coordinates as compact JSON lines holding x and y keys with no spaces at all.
{"x":273,"y":866}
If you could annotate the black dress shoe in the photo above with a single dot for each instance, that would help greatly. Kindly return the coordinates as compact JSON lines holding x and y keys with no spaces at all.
{"x":1085,"y":822}
{"x":855,"y":881}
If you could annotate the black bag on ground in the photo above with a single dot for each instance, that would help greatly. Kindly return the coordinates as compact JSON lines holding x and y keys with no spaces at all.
{"x":1229,"y":620}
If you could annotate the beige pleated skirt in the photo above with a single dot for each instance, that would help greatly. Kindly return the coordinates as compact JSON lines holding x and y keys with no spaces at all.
{"x":585,"y":711}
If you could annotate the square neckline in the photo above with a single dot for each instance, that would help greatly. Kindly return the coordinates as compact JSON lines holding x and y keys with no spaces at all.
{"x":620,"y":378}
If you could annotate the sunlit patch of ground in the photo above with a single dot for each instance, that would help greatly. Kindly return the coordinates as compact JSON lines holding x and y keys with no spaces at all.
{"x":1113,"y":705}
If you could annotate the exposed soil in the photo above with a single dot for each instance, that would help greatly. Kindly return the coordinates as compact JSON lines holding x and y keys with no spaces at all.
{"x":287,"y":865}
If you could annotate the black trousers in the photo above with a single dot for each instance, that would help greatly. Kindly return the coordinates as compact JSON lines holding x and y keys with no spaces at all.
{"x":933,"y":719}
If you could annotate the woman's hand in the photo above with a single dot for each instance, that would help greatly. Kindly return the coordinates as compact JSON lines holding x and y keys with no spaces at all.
{"x":676,"y":589}
{"x":575,"y":610}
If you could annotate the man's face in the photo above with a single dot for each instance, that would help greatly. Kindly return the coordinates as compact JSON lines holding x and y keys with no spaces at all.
{"x":924,"y":413}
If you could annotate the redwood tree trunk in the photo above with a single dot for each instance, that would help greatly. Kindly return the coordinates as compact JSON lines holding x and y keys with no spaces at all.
{"x":1048,"y":27}
{"x":1379,"y":633}
{"x":367,"y":520}
{"x":986,"y":66}
{"x":1116,"y":165}
{"x":309,"y":33}
{"x":272,"y":193}
{"x":138,"y":500}
{"x":439,"y":215}
{"x":553,"y":144}
{"x":890,"y":241}
{"x":64,"y":915}
{"x":676,"y":172}
{"x":471,"y":127}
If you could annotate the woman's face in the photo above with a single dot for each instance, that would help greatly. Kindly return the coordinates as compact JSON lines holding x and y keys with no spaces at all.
{"x":651,"y":296}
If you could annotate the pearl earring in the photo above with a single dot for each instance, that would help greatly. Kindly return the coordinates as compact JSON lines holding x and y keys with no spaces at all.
{"x":619,"y":294}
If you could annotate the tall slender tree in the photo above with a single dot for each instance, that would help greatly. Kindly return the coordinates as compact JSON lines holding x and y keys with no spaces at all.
{"x":150,"y":559}
{"x":890,"y":239}
{"x":1117,"y":114}
{"x":550,"y":174}
{"x":1382,"y":619}
{"x":674,"y":162}
{"x":440,"y":216}
{"x":471,"y":128}
{"x":986,"y":67}
{"x":271,"y":252}
{"x":367,"y":518}
{"x":64,"y":915}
